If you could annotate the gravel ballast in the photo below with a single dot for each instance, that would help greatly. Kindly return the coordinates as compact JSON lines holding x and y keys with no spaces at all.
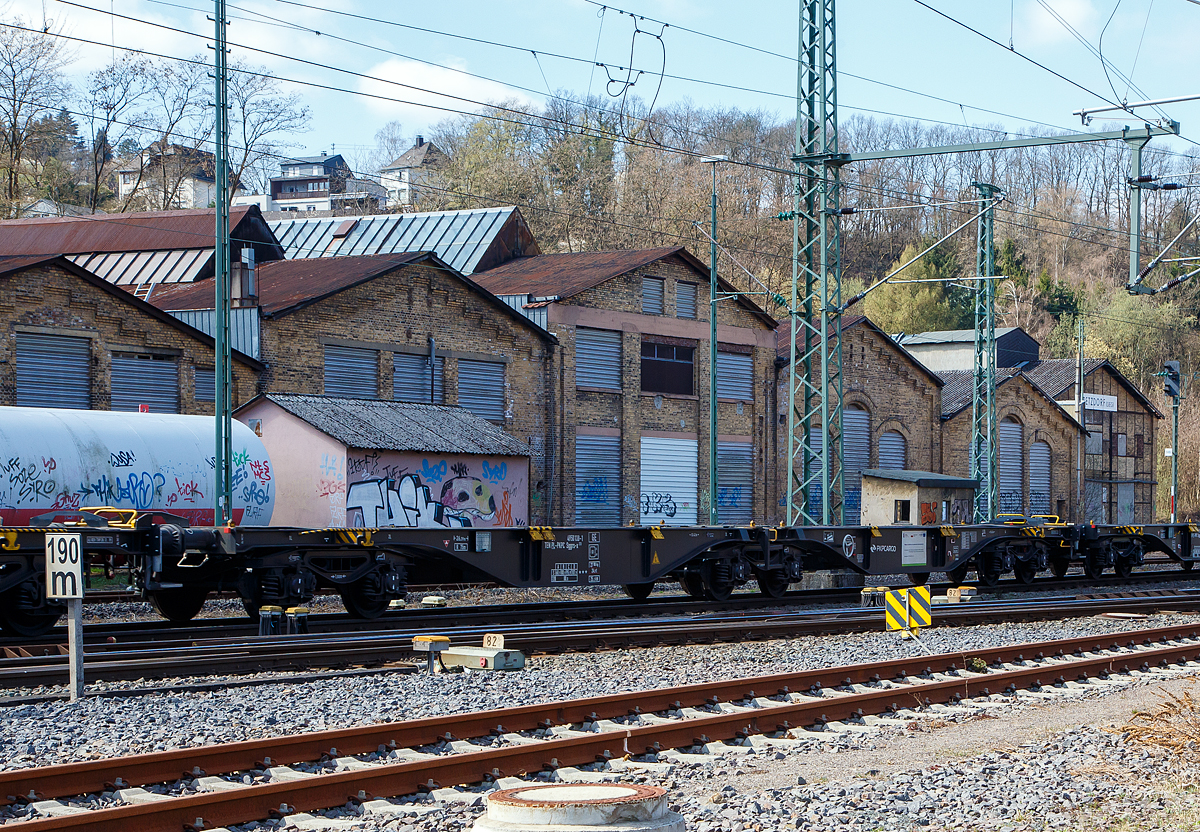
{"x":996,"y":783}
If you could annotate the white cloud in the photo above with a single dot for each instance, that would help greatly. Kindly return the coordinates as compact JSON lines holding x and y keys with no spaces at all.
{"x":428,"y":81}
{"x":1039,"y":28}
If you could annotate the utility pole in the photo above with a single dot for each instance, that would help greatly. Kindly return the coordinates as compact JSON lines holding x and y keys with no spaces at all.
{"x":983,"y":399}
{"x":815,"y":370}
{"x":223,"y":406}
{"x":1080,"y":442}
{"x":712,"y":347}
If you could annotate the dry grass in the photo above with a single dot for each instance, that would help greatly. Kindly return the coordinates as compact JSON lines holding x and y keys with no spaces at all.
{"x":1172,"y":724}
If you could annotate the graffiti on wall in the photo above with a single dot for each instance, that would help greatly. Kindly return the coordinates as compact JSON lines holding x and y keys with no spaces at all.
{"x":395,"y":489}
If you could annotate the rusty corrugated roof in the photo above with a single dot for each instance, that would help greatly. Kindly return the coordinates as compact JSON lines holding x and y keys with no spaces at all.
{"x":566,"y":275}
{"x":149,"y":231}
{"x":285,"y":285}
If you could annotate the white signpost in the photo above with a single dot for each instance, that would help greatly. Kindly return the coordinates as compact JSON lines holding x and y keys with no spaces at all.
{"x":64,"y":580}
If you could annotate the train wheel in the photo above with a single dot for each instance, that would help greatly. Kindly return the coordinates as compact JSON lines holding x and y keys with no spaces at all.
{"x":1124,"y":567}
{"x":773,"y":583}
{"x":958,"y":574}
{"x":718,"y":580}
{"x":364,"y":598}
{"x":180,"y":604}
{"x":28,"y":624}
{"x":918,"y":578}
{"x":1188,"y":565}
{"x":1025,"y":572}
{"x":1059,"y":567}
{"x":1093,"y":567}
{"x":693,"y":584}
{"x":639,"y":592}
{"x":989,"y":574}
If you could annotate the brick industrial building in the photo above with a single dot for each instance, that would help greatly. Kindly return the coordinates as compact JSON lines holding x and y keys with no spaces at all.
{"x":595,"y":362}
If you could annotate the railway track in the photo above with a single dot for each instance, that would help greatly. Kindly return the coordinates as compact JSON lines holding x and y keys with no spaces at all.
{"x":236,"y":626}
{"x":233,"y":655}
{"x":283,"y":776}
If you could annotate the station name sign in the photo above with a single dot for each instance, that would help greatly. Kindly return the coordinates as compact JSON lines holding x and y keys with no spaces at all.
{"x":1098,"y":401}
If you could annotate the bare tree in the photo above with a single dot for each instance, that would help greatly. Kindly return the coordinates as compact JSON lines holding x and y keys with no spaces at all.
{"x":112,"y":120}
{"x":179,"y":116}
{"x":262,"y":114}
{"x":31,"y":87}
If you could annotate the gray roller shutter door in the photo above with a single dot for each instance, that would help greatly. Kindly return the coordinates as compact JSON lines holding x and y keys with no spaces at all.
{"x":856,"y":455}
{"x":893,"y":450}
{"x":668,"y":483}
{"x":1010,"y":496}
{"x":735,"y":482}
{"x":1039,"y":478}
{"x":598,"y":358}
{"x":597,"y":480}
{"x":54,"y":371}
{"x":142,"y":380}
{"x":410,"y":378}
{"x":352,"y":372}
{"x":735,"y":376}
{"x":481,"y":388}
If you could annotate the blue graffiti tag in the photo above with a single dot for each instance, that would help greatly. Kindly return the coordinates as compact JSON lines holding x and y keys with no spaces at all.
{"x":255,"y":494}
{"x":433,"y":473}
{"x":594,"y":490}
{"x":495,"y":473}
{"x":729,"y":497}
{"x":137,"y":489}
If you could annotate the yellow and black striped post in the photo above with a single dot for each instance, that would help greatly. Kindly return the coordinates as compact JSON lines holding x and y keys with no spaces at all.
{"x":908,"y":609}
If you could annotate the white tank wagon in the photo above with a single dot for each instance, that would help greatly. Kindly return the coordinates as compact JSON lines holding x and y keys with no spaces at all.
{"x":69,"y":460}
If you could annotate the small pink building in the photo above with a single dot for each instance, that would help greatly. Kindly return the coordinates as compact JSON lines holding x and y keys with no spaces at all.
{"x":341,"y":462}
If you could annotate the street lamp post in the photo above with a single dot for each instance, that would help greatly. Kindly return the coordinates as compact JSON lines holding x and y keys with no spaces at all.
{"x":712,"y":346}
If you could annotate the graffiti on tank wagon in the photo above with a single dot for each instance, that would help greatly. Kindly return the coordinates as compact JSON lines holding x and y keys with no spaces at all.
{"x":451,"y":497}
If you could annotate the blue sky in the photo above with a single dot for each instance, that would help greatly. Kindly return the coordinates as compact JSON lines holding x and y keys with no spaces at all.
{"x":898,"y":42}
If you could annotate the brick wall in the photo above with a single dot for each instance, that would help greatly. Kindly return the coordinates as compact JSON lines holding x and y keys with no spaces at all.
{"x":399,"y":312}
{"x":616,"y":305}
{"x":51,"y":300}
{"x":1042,"y":421}
{"x":897,"y":394}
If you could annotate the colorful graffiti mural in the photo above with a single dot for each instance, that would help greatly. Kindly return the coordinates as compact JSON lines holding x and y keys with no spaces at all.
{"x":394,"y":489}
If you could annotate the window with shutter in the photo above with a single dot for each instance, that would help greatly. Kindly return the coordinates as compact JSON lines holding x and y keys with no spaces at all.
{"x":652,"y":295}
{"x":206,"y":384}
{"x":411,"y":381}
{"x":735,"y":376}
{"x":598,"y":359}
{"x":685,"y":300}
{"x":481,"y":388}
{"x":53,"y":371}
{"x":352,"y":372}
{"x":149,"y":380}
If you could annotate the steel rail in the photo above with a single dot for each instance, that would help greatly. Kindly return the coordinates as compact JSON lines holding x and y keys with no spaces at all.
{"x":99,"y":632}
{"x":293,"y":652}
{"x":327,"y":790}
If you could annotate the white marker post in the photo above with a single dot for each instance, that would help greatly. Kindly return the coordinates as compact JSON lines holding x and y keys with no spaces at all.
{"x":64,"y":580}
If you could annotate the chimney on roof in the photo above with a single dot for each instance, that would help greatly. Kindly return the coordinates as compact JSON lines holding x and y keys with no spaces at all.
{"x":243,"y":285}
{"x":322,"y":154}
{"x":420,"y":141}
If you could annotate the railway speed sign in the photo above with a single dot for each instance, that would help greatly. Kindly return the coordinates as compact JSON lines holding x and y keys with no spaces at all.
{"x":64,"y":565}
